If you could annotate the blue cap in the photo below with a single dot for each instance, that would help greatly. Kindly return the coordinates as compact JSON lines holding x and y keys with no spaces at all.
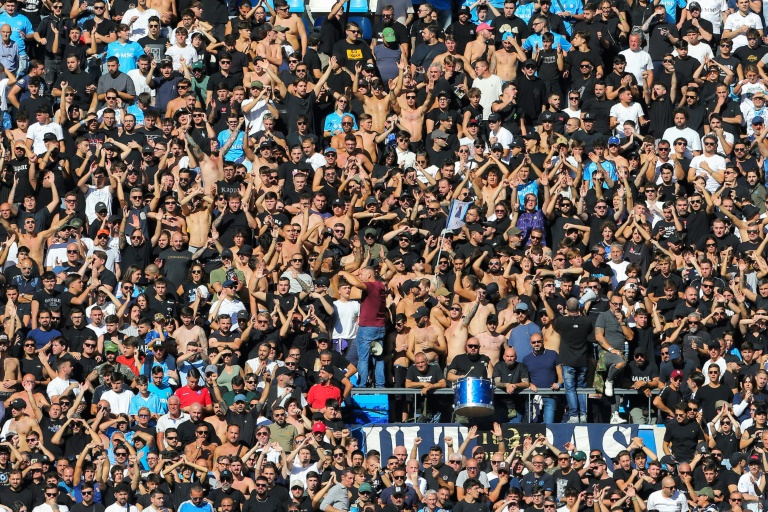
{"x":240,"y":398}
{"x":329,"y":149}
{"x":507,"y":35}
{"x":614,"y":140}
{"x":674,"y":352}
{"x":758,"y":120}
{"x":228,"y":283}
{"x":59,"y":269}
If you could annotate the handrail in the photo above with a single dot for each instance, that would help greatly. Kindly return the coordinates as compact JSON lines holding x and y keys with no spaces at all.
{"x":416,"y":392}
{"x":449,"y":391}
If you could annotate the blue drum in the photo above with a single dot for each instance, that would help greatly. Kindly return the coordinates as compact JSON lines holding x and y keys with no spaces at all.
{"x":473,"y":397}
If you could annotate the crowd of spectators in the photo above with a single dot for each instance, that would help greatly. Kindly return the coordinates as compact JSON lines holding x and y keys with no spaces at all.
{"x":226,"y":216}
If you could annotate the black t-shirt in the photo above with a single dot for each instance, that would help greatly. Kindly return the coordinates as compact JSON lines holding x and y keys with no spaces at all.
{"x":444,"y":473}
{"x":348,"y":54}
{"x":463,"y":365}
{"x":574,"y":339}
{"x":478,"y":506}
{"x":216,"y":495}
{"x":433,"y":374}
{"x":562,"y":481}
{"x":684,"y":438}
{"x":104,"y":28}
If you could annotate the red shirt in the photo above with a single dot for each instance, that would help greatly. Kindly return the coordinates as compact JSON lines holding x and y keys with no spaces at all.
{"x":318,"y":394}
{"x":373,"y":308}
{"x":189,"y":397}
{"x":130,"y":363}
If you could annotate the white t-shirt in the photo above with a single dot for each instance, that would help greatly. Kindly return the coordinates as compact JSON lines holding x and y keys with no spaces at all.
{"x":503,"y":137}
{"x":95,"y":196}
{"x":747,"y":90}
{"x":231,"y":308}
{"x":140,"y":82}
{"x":632,"y":112}
{"x":676,"y":503}
{"x":672,"y":133}
{"x":176,"y":52}
{"x":57,"y":386}
{"x":711,"y":10}
{"x":165,"y":422}
{"x":37,"y":131}
{"x":140,"y":27}
{"x":748,"y":113}
{"x":345,"y":319}
{"x":735,"y":21}
{"x":573,"y":113}
{"x":254,"y":118}
{"x":637,"y":62}
{"x":746,"y":486}
{"x":120,"y":403}
{"x":715,"y":163}
{"x":405,"y":158}
{"x":491,"y":90}
{"x":700,"y":52}
{"x":299,"y":474}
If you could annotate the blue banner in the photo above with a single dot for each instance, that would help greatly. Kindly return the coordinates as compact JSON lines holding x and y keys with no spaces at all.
{"x":610,"y":439}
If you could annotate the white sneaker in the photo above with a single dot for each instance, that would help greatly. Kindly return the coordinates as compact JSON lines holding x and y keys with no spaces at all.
{"x":582,"y":418}
{"x":573,"y":419}
{"x":616,"y":419}
{"x":608,"y":388}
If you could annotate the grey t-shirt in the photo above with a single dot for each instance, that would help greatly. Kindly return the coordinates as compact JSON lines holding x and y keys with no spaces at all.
{"x":612,"y":329}
{"x":338,"y":497}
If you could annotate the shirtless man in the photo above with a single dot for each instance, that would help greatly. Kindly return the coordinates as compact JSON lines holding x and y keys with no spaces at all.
{"x":241,"y":482}
{"x":479,"y":48}
{"x":504,"y":60}
{"x":426,"y":338}
{"x":197,"y":207}
{"x":230,"y":446}
{"x":211,"y":167}
{"x":398,"y":265}
{"x":11,"y":368}
{"x":412,"y":116}
{"x":29,"y":396}
{"x":396,"y":350}
{"x":409,"y":304}
{"x":377,"y":103}
{"x":337,"y":141}
{"x":494,"y":274}
{"x":291,"y":244}
{"x":167,"y":10}
{"x":258,"y":73}
{"x":36,"y":242}
{"x":22,"y":424}
{"x":458,"y":333}
{"x":479,"y":321}
{"x":342,"y":215}
{"x":270,"y":48}
{"x":441,"y":313}
{"x":19,"y":134}
{"x":492,"y":343}
{"x":490,"y":189}
{"x":189,"y":331}
{"x":353,"y":154}
{"x":297,"y":32}
{"x":369,"y":137}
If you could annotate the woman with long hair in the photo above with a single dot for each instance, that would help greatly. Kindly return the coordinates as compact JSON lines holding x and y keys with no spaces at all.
{"x":195,"y":286}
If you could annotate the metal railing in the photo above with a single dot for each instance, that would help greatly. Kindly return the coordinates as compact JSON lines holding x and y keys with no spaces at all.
{"x":416,"y":392}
